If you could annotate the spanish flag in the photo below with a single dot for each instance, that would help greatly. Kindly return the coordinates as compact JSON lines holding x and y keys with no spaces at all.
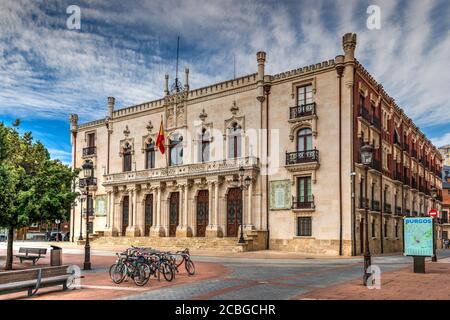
{"x":160,"y":139}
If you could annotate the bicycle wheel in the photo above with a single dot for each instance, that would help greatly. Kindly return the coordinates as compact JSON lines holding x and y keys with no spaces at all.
{"x":141,"y":275}
{"x":166,"y":270}
{"x":117,"y":273}
{"x":190,"y":268}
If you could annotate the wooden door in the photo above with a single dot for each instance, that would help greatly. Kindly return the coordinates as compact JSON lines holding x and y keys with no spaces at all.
{"x":202,"y":212}
{"x":234,"y":211}
{"x":174,"y":217}
{"x":125,"y":212}
{"x":148,"y":213}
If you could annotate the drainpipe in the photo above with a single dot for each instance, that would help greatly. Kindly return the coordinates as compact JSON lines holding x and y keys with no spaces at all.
{"x":340,"y":70}
{"x":267,"y":93}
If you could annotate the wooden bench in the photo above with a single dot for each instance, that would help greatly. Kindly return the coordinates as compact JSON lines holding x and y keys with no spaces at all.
{"x":31,"y":254}
{"x":32,"y":280}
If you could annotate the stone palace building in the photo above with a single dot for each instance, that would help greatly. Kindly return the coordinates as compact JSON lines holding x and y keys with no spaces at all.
{"x":297,"y":137}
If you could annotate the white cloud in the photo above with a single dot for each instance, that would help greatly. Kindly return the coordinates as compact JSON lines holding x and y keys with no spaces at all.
{"x":85,"y":67}
{"x":442,"y":140}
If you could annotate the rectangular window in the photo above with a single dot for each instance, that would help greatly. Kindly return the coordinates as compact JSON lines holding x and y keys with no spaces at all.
{"x":304,"y":226}
{"x":127,"y":162}
{"x":373,"y":229}
{"x":150,"y":163}
{"x":304,"y":190}
{"x":304,"y":95}
{"x":91,"y":140}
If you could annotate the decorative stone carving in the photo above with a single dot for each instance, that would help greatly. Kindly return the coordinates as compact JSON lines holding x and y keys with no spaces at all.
{"x":203,"y":115}
{"x":126,"y":132}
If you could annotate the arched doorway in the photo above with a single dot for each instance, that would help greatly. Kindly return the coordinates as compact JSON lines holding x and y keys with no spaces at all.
{"x":174,"y":209}
{"x":148,"y":214}
{"x":125,"y":212}
{"x":234,"y":211}
{"x":202,"y":212}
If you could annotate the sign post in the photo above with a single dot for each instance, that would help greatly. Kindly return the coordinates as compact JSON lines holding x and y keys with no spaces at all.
{"x":418,"y":237}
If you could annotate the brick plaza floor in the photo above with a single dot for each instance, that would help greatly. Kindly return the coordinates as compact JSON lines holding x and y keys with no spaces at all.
{"x":258,"y":276}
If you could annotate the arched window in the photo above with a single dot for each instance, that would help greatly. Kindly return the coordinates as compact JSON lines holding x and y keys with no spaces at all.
{"x":176,"y":150}
{"x":127,"y":158}
{"x":234,"y":141}
{"x":304,"y":140}
{"x":150,"y":155}
{"x":204,"y":146}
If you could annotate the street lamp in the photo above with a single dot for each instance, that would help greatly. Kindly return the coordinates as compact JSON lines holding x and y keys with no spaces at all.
{"x":433,"y":193}
{"x":88,"y":170}
{"x":366,"y":159}
{"x":244,"y":183}
{"x":81,"y":216}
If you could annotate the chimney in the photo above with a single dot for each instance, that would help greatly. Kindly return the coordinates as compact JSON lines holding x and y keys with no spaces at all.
{"x":111,"y":103}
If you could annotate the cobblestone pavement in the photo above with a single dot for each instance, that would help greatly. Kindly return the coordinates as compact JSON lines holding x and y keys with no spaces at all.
{"x":248,"y":277}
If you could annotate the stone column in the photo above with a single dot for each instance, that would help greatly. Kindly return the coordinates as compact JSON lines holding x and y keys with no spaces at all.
{"x":249,"y":220}
{"x":157,"y":229}
{"x":214,"y":229}
{"x":111,"y":229}
{"x":182,"y":230}
{"x":140,"y":213}
{"x":118,"y":212}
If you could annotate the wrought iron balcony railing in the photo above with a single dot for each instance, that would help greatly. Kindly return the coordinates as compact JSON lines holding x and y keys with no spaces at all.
{"x":398,"y":211}
{"x":387,"y":208}
{"x":362,"y":202}
{"x":364,"y":113}
{"x":302,"y":156}
{"x":375,"y":122}
{"x":89,"y":151}
{"x":303,"y":202}
{"x":375,"y":205}
{"x":303,"y":110}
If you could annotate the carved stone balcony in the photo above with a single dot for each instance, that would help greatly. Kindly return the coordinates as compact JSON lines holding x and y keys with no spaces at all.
{"x":221,"y":167}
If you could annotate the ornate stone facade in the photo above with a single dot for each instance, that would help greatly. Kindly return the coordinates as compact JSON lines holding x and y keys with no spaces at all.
{"x":296,"y":135}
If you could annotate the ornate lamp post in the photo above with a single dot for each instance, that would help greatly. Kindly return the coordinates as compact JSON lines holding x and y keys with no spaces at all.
{"x":81,"y":216}
{"x":88,"y":170}
{"x":366,"y":159}
{"x":433,"y":193}
{"x":244,"y":183}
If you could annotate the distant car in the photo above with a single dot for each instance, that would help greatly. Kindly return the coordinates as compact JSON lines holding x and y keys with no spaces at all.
{"x":3,"y":237}
{"x":56,"y":235}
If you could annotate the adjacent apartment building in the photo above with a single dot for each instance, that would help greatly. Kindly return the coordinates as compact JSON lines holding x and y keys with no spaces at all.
{"x":276,"y":155}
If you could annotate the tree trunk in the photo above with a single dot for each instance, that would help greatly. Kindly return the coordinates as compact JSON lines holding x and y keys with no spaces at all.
{"x":9,"y":251}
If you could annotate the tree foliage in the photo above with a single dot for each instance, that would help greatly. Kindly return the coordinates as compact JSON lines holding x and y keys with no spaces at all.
{"x":33,"y":187}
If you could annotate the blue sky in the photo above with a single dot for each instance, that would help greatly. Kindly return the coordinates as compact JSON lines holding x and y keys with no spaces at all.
{"x":124,"y":49}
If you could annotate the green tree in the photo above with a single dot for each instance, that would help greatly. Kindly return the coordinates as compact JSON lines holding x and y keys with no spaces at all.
{"x":33,"y":188}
